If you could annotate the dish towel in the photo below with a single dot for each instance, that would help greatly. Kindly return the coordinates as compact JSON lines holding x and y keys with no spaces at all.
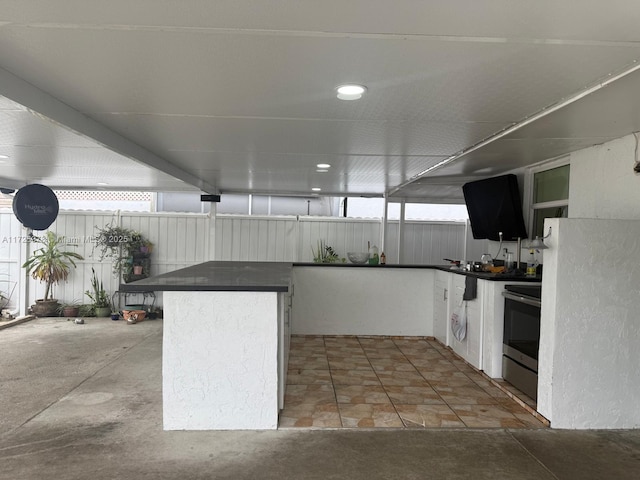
{"x":470,"y":288}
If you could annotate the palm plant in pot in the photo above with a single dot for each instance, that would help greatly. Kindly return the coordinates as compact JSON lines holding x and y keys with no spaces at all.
{"x":99,"y":298}
{"x":51,"y":265}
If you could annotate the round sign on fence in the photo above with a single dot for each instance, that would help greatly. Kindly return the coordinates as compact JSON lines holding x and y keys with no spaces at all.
{"x":35,"y":206}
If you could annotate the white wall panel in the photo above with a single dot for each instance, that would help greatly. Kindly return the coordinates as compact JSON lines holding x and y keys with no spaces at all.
{"x":256,"y":238}
{"x":11,"y":238}
{"x":404,"y":294}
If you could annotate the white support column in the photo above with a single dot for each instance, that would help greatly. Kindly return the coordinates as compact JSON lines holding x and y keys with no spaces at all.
{"x":466,"y":240}
{"x":401,"y":233}
{"x":23,"y":284}
{"x":211,"y":237}
{"x":385,"y":224}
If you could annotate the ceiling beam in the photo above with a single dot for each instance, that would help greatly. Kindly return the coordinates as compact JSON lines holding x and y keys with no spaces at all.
{"x":44,"y":104}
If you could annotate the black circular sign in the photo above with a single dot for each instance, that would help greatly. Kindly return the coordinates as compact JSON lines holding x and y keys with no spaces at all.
{"x":35,"y":206}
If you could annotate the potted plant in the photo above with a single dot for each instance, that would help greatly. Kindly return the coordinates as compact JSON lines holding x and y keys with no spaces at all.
{"x":71,"y":309}
{"x":86,"y":310}
{"x":51,"y":265}
{"x":99,"y":298}
{"x":128,"y":249}
{"x":116,"y":243}
{"x":324,"y":254}
{"x":146,"y":246}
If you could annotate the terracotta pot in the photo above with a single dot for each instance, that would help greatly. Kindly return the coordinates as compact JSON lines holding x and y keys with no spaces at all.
{"x":137,"y":270}
{"x":70,"y":311}
{"x":133,"y":316}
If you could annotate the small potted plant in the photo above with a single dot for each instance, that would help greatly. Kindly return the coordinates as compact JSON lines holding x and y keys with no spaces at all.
{"x":324,"y":254}
{"x":99,"y":298}
{"x":71,"y":309}
{"x":146,"y":246}
{"x":51,"y":265}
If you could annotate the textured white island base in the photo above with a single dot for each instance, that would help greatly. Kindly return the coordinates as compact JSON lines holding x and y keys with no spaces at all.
{"x":219,"y":360}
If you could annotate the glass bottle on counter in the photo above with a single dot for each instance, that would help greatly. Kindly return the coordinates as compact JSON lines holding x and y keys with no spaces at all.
{"x":373,"y":256}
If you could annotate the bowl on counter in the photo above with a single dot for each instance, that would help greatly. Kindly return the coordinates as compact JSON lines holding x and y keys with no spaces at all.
{"x":358,"y":257}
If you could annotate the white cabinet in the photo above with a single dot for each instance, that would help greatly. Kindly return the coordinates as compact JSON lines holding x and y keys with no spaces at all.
{"x":441,"y":306}
{"x":482,"y":346}
{"x":448,"y":292}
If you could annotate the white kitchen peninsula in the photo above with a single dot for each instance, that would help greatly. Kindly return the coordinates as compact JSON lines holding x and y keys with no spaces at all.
{"x":224,"y":353}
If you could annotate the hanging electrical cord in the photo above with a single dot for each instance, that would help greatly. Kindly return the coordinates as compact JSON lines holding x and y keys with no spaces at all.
{"x":499,"y":247}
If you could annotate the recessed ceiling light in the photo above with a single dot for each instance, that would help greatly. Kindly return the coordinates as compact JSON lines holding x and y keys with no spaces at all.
{"x":323,"y":165}
{"x":350,"y":91}
{"x":102,"y":184}
{"x":316,"y":189}
{"x":4,"y":156}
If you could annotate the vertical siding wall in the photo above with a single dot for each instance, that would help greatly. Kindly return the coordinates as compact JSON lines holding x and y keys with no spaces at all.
{"x":10,"y":258}
{"x":291,"y":238}
{"x":179,"y":240}
{"x":183,"y":239}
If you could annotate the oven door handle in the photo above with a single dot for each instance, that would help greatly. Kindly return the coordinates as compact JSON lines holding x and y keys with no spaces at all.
{"x":519,"y":298}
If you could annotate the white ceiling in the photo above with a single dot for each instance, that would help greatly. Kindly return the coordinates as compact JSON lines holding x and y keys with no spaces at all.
{"x":238,"y":96}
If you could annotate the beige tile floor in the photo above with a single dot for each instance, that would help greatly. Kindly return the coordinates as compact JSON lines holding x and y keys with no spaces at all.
{"x":401,"y":382}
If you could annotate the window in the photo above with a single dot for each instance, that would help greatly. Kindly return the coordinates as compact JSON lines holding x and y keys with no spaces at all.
{"x":374,"y":208}
{"x":550,"y":197}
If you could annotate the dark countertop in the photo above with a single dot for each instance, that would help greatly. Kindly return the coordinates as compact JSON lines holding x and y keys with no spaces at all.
{"x":359,"y":265}
{"x":219,"y":276}
{"x":497,"y":277}
{"x":268,"y":276}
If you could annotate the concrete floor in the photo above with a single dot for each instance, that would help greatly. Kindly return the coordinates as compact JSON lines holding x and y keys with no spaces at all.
{"x":84,"y":401}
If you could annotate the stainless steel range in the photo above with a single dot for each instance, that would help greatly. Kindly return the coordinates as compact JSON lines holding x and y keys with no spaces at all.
{"x":521,"y":337}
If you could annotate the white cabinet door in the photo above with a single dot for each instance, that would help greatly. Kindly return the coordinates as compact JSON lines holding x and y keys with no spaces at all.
{"x":457,"y":290}
{"x":475,"y":321}
{"x":441,"y":306}
{"x":471,"y":347}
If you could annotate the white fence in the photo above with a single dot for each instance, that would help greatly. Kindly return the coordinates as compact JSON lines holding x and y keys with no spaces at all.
{"x":290,"y":239}
{"x":182,"y":239}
